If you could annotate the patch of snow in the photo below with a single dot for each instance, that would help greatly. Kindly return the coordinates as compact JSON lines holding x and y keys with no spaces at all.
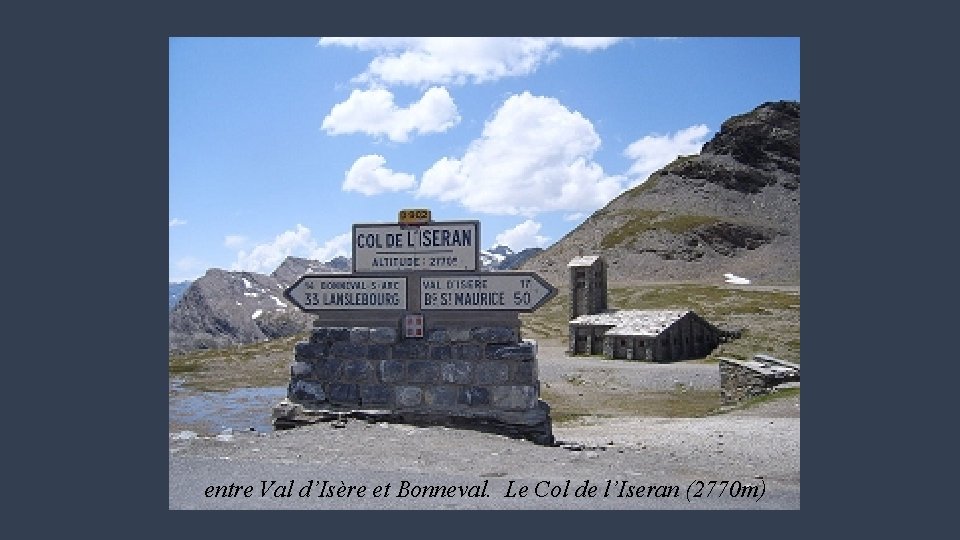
{"x":184,"y":435}
{"x":279,"y":302}
{"x":239,"y":304}
{"x":496,"y":257}
{"x":736,"y":280}
{"x":246,"y":283}
{"x":253,"y":294}
{"x":256,"y":314}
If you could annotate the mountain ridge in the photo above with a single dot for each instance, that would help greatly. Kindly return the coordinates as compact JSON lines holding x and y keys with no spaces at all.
{"x":733,"y":208}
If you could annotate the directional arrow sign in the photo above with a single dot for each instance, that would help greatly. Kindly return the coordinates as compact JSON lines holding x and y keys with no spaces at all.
{"x":325,"y":292}
{"x":493,"y":291}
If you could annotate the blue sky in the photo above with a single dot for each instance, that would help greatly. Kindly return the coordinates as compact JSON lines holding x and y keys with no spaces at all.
{"x":278,"y":145}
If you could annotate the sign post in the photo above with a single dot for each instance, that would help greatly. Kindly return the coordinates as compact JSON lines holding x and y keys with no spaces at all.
{"x":418,"y":331}
{"x":331,"y":292}
{"x":493,"y":291}
{"x":437,"y":246}
{"x":442,"y":259}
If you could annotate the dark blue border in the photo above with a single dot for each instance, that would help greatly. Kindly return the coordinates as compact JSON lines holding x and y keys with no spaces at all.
{"x":88,"y":85}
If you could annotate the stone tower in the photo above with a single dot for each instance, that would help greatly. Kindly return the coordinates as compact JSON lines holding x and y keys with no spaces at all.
{"x":588,"y":285}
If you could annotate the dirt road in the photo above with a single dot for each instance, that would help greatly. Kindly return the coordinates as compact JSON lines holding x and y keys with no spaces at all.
{"x":751,"y":456}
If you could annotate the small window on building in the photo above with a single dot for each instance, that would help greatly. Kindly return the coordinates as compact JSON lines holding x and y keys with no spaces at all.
{"x":623,"y":343}
{"x":639,"y":343}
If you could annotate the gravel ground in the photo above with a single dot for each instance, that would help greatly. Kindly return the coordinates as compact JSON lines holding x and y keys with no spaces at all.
{"x":554,"y":366}
{"x":751,"y":449}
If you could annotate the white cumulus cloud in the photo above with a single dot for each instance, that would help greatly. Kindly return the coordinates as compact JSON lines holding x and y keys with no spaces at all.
{"x":458,"y":60}
{"x":654,"y":151}
{"x":368,"y":175}
{"x":534,"y":155}
{"x":522,"y":236}
{"x":299,"y":242}
{"x":338,"y":246}
{"x":374,"y":113}
{"x":234,"y":241}
{"x":176,"y":222}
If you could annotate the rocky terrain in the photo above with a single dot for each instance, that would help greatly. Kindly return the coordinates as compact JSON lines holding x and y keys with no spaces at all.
{"x":176,"y":291}
{"x":734,"y":208}
{"x":223,"y":308}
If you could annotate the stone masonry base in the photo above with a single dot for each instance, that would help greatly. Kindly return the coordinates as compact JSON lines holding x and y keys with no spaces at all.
{"x":481,"y":377}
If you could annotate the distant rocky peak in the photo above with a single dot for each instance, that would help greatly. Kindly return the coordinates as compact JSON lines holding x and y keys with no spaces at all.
{"x":501,"y":257}
{"x":772,"y":128}
{"x":340,"y":264}
{"x":293,"y":267}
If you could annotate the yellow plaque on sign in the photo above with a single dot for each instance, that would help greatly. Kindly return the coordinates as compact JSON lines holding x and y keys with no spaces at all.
{"x":415,"y":216}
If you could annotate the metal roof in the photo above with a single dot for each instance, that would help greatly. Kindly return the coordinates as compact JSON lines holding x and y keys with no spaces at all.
{"x":583,"y":260}
{"x":632,"y":322}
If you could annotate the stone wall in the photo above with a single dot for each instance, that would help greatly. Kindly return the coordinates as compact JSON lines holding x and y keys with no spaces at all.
{"x":744,"y":379}
{"x":485,"y":375}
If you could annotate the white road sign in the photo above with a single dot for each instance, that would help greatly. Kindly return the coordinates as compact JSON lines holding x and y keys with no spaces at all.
{"x":493,"y":291}
{"x":438,"y":246}
{"x":323,"y":292}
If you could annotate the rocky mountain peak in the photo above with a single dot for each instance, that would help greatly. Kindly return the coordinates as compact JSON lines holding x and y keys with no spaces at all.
{"x":293,"y":267}
{"x":761,"y":137}
{"x":733,"y":208}
{"x":340,"y":264}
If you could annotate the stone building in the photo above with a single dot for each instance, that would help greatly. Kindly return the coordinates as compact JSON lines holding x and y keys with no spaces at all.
{"x":652,"y":335}
{"x":588,"y":285}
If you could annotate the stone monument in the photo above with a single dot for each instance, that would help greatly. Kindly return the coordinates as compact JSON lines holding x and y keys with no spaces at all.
{"x":417,"y":334}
